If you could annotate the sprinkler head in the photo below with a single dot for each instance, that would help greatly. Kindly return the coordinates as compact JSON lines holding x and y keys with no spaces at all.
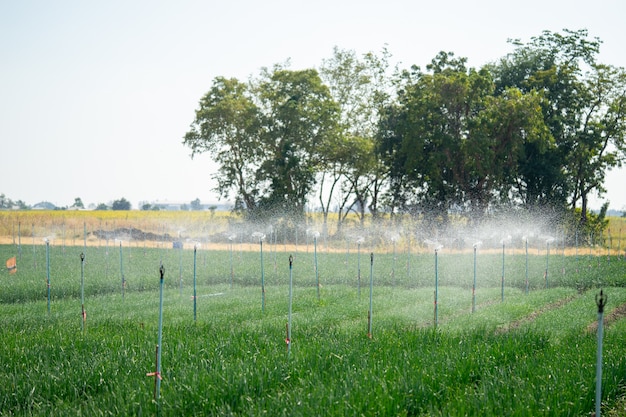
{"x":477,"y":244}
{"x":258,"y":236}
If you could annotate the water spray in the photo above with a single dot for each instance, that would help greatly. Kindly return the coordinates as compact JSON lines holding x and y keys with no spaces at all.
{"x":369,"y":314}
{"x":548,"y":241}
{"x":601,"y":300}
{"x":436,"y":247}
{"x":83,"y":313}
{"x":260,"y":236}
{"x":122,"y":272}
{"x":317,"y":275}
{"x":503,"y":242}
{"x":288,"y":339}
{"x":476,"y":246}
{"x":394,"y":240}
{"x":232,"y":270}
{"x":526,"y":249}
{"x":358,"y":264}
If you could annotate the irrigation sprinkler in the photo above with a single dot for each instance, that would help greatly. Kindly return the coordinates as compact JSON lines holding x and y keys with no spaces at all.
{"x":503,"y":242}
{"x":476,"y":246}
{"x":369,"y":314}
{"x":601,"y":300}
{"x":437,"y":248}
{"x":359,"y":241}
{"x":394,"y":240}
{"x":288,"y":339}
{"x":19,"y":241}
{"x":260,"y":236}
{"x":317,"y":275}
{"x":157,"y":373}
{"x":576,"y":245}
{"x":526,"y":249}
{"x":83,"y":313}
{"x":608,"y":248}
{"x":194,"y":282}
{"x":548,"y":241}
{"x":48,"y":269}
{"x":122,"y":272}
{"x":34,"y":255}
{"x":232,"y":271}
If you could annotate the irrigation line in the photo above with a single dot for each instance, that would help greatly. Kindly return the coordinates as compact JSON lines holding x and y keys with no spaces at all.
{"x":601,"y":300}
{"x":288,"y":340}
{"x":83,"y":313}
{"x":48,"y":271}
{"x":369,"y":315}
{"x":317,"y":275}
{"x":194,"y":283}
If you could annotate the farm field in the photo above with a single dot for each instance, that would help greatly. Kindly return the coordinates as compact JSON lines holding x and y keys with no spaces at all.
{"x":529,"y":347}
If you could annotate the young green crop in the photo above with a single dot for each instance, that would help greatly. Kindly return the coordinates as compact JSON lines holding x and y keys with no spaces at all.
{"x":529,"y":355}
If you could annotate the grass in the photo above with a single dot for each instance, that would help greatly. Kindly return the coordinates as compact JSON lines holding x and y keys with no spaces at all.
{"x":529,"y":354}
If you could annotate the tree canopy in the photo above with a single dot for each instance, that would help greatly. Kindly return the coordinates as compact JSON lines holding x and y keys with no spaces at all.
{"x":537,"y":129}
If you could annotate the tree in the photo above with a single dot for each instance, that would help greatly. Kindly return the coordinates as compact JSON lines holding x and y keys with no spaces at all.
{"x":196,"y":205}
{"x":360,"y":87}
{"x":227,"y":126}
{"x":584,"y":108}
{"x":102,"y":206}
{"x":266,"y":137}
{"x":121,"y":204}
{"x":299,"y":117}
{"x":450,"y":144}
{"x":78,"y":203}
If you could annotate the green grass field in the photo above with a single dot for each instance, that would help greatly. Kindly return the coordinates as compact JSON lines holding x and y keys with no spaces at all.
{"x":520,"y":353}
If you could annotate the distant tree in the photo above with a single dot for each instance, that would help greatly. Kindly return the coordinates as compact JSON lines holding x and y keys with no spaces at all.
{"x":78,"y":203}
{"x":146,"y":207}
{"x":22,"y":205}
{"x":266,"y":137}
{"x":196,"y":205}
{"x":5,"y":202}
{"x":102,"y":206}
{"x":121,"y":204}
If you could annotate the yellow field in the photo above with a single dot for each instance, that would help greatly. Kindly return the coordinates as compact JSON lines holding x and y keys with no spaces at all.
{"x":70,"y":225}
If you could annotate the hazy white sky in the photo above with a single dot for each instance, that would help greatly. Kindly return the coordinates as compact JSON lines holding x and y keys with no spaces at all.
{"x":96,"y":96}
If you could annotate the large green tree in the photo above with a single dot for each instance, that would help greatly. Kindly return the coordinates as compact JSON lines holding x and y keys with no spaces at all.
{"x":266,"y":137}
{"x":450,"y":144}
{"x":361,"y":86}
{"x":584,"y":108}
{"x":227,"y":126}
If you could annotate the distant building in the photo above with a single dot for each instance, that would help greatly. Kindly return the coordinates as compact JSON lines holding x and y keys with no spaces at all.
{"x":44,"y":205}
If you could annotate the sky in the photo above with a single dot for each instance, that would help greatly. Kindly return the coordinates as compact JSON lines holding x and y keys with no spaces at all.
{"x":96,"y":96}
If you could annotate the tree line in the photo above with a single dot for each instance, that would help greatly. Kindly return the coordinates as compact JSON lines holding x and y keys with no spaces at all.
{"x":538,"y":129}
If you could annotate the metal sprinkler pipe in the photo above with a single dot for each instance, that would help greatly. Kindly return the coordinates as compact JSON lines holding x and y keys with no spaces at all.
{"x":437,"y":285}
{"x":288,"y":340}
{"x":474,"y":284}
{"x":370,"y":313}
{"x":48,"y":270}
{"x":122,"y":271}
{"x":157,"y":373}
{"x":194,"y":282}
{"x":83,"y":313}
{"x":526,"y":245}
{"x":317,"y":275}
{"x":601,"y":300}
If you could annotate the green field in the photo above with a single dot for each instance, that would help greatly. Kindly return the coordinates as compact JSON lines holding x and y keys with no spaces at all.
{"x":521,"y":352}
